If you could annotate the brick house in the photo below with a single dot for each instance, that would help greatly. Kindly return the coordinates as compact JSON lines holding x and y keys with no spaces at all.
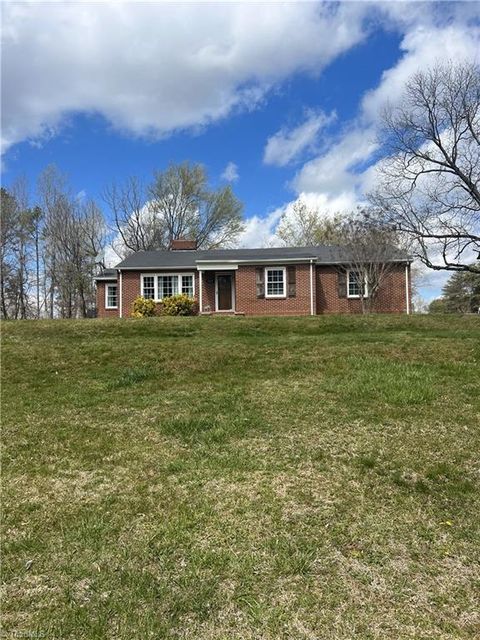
{"x":277,"y":281}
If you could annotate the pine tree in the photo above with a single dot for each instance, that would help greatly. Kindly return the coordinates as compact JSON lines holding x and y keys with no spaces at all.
{"x":462,"y":292}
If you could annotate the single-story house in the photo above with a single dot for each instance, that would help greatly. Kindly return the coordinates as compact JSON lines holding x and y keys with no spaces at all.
{"x":274,"y":281}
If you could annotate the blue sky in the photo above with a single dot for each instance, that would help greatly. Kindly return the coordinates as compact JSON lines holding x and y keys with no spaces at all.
{"x":286,"y":96}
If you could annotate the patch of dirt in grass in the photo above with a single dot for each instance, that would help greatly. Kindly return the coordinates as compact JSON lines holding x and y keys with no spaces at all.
{"x":78,"y":486}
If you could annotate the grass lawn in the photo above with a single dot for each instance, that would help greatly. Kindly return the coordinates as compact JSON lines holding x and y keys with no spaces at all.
{"x":242,"y":478}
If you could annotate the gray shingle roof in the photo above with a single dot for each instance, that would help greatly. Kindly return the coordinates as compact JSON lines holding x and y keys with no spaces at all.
{"x":323,"y":254}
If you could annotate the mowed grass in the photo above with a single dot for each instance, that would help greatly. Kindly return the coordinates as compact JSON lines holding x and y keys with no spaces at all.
{"x":242,"y":478}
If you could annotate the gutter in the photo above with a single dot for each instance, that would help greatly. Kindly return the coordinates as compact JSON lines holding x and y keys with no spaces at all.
{"x":120,"y":297}
{"x":312,"y":313}
{"x":407,"y":290}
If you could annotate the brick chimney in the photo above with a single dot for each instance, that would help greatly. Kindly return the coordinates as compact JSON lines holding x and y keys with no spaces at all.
{"x":183,"y":245}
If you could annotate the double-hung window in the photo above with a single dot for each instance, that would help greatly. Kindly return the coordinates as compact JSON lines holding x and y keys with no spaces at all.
{"x":275,"y":282}
{"x":354,"y":285}
{"x":187,"y":284}
{"x":111,"y":296}
{"x":164,"y":285}
{"x":148,"y":287}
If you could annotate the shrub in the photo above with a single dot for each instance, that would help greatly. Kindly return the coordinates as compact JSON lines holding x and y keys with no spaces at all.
{"x":143,"y":308}
{"x":179,"y":305}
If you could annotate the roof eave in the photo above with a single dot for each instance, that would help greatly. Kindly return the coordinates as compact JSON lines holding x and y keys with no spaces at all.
{"x":198,"y":263}
{"x":97,"y":278}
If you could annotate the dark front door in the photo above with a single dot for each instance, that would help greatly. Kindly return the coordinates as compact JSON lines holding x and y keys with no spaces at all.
{"x":224,"y":293}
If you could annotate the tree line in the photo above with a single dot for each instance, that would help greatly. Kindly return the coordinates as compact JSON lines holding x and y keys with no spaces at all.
{"x":426,"y":201}
{"x":51,"y":248}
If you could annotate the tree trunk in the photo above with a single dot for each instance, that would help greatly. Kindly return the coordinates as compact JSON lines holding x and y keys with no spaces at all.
{"x":37,"y":270}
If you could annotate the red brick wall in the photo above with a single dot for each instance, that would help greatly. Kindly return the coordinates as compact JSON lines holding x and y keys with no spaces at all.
{"x":132,"y":288}
{"x":391,"y":297}
{"x":101,"y":311}
{"x":248,"y":303}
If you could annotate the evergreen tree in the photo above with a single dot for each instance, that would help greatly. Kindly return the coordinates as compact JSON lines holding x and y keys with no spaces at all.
{"x":461,"y":293}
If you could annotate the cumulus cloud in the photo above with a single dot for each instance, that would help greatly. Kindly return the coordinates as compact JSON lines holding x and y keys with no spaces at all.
{"x":333,"y":172}
{"x":230,"y":173}
{"x":339,"y":178}
{"x":287,"y":144}
{"x":260,"y":230}
{"x":348,"y":165}
{"x":150,"y":68}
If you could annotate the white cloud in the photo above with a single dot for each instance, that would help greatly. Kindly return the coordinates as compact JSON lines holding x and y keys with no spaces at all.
{"x":431,"y":283}
{"x":150,"y":69}
{"x":339,"y":178}
{"x":349,"y":163}
{"x":230,"y":173}
{"x":260,"y":230}
{"x":422,"y":47}
{"x":333,"y":172}
{"x":287,"y":144}
{"x":111,"y":258}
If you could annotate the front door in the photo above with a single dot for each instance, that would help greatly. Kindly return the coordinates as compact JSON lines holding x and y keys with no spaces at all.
{"x":224,"y":293}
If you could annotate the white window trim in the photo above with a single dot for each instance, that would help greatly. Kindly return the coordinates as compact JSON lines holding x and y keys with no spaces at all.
{"x":365,"y":293}
{"x":155,"y":281}
{"x":110,"y":284}
{"x":276,"y":295}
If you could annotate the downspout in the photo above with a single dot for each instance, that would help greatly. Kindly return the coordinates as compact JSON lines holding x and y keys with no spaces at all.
{"x":312,"y":313}
{"x":120,"y":297}
{"x":407,"y":289}
{"x":200,"y":296}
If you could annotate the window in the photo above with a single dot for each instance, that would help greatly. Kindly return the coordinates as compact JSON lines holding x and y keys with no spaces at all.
{"x":187,"y":285}
{"x":111,"y":301}
{"x":148,"y":287}
{"x":163,"y":285}
{"x":353,"y":284}
{"x":167,"y":286}
{"x":275,"y":281}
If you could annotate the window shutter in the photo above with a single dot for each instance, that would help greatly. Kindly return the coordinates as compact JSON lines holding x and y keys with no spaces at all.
{"x":342,"y":284}
{"x":292,"y":281}
{"x":260,"y":280}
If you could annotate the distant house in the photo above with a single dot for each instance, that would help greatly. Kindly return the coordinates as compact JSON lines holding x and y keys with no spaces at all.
{"x":277,"y":282}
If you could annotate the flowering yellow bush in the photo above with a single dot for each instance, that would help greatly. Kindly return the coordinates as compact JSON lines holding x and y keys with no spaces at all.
{"x":179,"y":305}
{"x":143,"y":308}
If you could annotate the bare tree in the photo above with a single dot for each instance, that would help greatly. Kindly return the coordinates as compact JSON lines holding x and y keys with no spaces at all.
{"x":51,"y":188}
{"x":74,"y":240}
{"x":23,"y":235}
{"x":371,"y":251}
{"x":178,"y":203}
{"x":132,"y":216}
{"x":37,"y":218}
{"x":429,"y":183}
{"x":306,"y":226}
{"x":16,"y":279}
{"x":88,"y":250}
{"x":8,"y":224}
